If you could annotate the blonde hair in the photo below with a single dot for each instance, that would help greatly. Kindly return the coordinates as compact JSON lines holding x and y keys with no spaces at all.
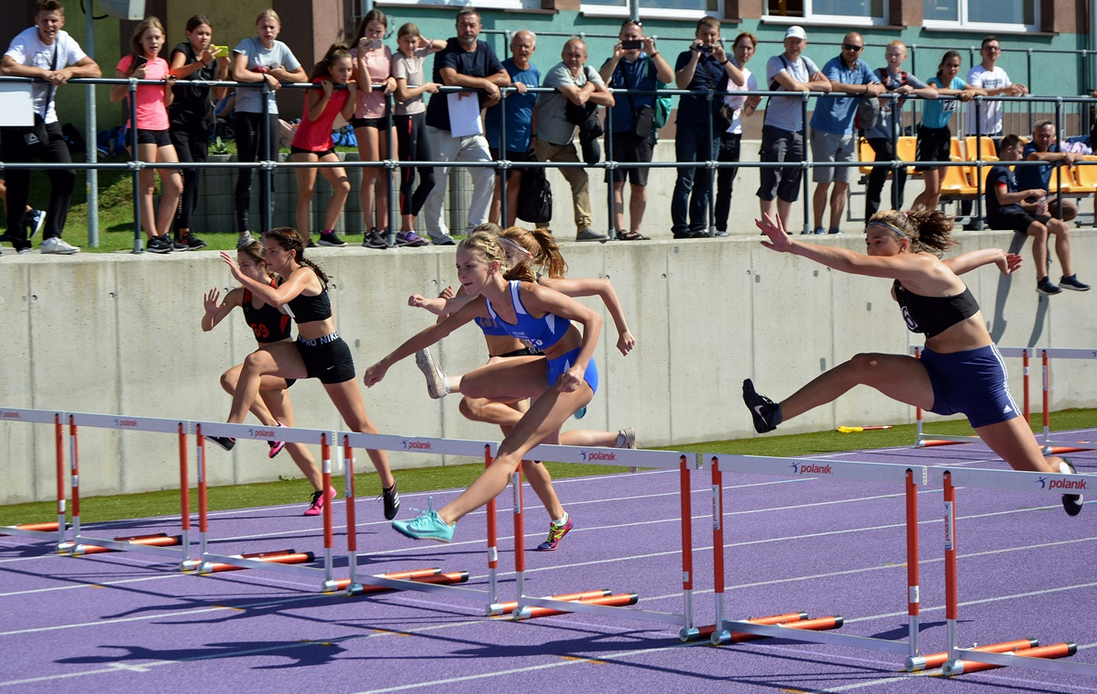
{"x":928,"y":230}
{"x":897,"y":43}
{"x":268,"y":13}
{"x":542,"y":246}
{"x":487,"y":245}
{"x":147,"y":23}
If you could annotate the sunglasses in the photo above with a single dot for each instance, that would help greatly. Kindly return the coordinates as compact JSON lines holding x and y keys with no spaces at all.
{"x":852,"y":47}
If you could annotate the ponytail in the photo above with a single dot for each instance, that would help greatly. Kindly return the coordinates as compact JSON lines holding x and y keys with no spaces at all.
{"x":928,"y":230}
{"x":290,"y":240}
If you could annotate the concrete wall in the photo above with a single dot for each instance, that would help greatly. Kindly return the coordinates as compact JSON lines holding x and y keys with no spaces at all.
{"x":120,"y":334}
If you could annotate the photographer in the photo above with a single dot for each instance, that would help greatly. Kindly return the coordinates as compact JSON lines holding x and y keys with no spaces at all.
{"x":704,"y":66}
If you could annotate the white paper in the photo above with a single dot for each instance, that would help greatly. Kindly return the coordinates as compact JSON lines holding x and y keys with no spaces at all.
{"x":464,"y":114}
{"x":16,"y":104}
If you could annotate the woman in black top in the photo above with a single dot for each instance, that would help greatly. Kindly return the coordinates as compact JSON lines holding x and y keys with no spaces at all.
{"x":191,"y":113}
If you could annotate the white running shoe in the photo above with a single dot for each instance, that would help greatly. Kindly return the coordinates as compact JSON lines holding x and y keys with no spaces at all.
{"x":55,"y":244}
{"x":436,"y":378}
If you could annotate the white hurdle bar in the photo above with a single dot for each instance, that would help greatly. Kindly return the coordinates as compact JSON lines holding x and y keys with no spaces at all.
{"x":207,"y":560}
{"x":910,"y":476}
{"x":961,"y":660}
{"x":56,"y":530}
{"x":82,"y":544}
{"x":434,"y":446}
{"x":1049,"y":446}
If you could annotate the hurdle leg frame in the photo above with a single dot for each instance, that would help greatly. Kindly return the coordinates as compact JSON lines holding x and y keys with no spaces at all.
{"x":45,"y":531}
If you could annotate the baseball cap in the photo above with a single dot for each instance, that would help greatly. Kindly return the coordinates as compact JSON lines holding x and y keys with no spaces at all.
{"x":796,"y":32}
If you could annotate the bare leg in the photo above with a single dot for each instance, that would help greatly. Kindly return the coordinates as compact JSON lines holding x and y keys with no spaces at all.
{"x":819,"y":203}
{"x":348,"y":400}
{"x":784,"y":210}
{"x":306,"y":186}
{"x":1062,"y":245}
{"x":900,"y":378}
{"x":231,"y":378}
{"x":279,"y":403}
{"x":619,"y":205}
{"x":340,"y":186}
{"x":837,"y":204}
{"x":637,"y":205}
{"x":1038,"y":232}
{"x":1014,"y":443}
{"x":277,"y":359}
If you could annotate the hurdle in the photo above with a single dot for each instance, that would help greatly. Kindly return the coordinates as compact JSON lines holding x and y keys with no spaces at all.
{"x":49,"y":530}
{"x":967,"y":660}
{"x":619,"y":606}
{"x":816,"y":630}
{"x":172,"y":547}
{"x":285,"y":561}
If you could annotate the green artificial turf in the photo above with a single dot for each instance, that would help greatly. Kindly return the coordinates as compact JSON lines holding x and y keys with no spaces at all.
{"x":297,"y":491}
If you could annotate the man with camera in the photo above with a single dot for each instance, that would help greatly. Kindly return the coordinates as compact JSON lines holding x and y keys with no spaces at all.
{"x":704,"y":66}
{"x":635,"y":65}
{"x":46,"y":52}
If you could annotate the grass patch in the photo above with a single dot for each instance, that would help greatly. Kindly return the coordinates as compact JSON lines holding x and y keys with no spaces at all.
{"x":296,"y":491}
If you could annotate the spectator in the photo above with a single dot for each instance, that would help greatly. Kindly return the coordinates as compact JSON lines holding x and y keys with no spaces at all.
{"x":934,"y":135}
{"x":259,"y":59}
{"x":373,"y":124}
{"x":35,"y":219}
{"x":46,"y":52}
{"x":704,"y":66}
{"x":882,"y":137}
{"x":312,"y":141}
{"x":576,"y":83}
{"x":1008,"y":208}
{"x":190,"y":115}
{"x":832,"y":137}
{"x":742,"y":51}
{"x":411,"y":126}
{"x":470,"y":63}
{"x":521,"y":123}
{"x":783,"y":124}
{"x":995,"y":82}
{"x":636,"y":64}
{"x":153,"y":136}
{"x":1044,"y":147}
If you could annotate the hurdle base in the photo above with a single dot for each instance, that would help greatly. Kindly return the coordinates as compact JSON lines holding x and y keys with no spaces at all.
{"x":619,"y":600}
{"x":954,"y":668}
{"x":509,"y":607}
{"x":935,"y":660}
{"x":446,"y":579}
{"x":792,"y":621}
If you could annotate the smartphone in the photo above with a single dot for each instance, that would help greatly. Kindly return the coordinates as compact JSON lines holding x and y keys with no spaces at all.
{"x":138,"y":61}
{"x":632,"y":45}
{"x":373,"y":43}
{"x":220,"y":50}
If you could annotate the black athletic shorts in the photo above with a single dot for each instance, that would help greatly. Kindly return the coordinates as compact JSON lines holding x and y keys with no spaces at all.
{"x":327,"y":358}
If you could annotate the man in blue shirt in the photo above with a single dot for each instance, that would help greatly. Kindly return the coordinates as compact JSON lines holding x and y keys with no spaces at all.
{"x":704,"y":66}
{"x":1044,"y":147}
{"x":636,"y":64}
{"x":832,"y":138}
{"x":520,"y":121}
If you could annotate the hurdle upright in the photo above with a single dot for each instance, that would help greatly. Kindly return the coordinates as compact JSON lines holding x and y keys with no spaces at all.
{"x":967,"y":660}
{"x":173,"y":547}
{"x":795,"y":626}
{"x":50,"y":530}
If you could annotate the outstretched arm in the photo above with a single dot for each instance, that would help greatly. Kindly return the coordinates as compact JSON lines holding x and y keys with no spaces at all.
{"x":423,"y":339}
{"x":604,"y":289}
{"x":215,"y":312}
{"x":966,"y":262}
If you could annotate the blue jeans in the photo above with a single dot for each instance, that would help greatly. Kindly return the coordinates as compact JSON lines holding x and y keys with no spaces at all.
{"x":689,"y":146}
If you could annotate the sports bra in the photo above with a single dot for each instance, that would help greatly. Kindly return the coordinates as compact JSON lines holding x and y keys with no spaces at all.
{"x":933,"y":315}
{"x":268,"y":323}
{"x":490,"y":327}
{"x":307,"y":309}
{"x":542,"y":333}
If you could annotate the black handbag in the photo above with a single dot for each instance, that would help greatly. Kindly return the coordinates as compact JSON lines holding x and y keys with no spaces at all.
{"x":577,"y":114}
{"x":535,"y":197}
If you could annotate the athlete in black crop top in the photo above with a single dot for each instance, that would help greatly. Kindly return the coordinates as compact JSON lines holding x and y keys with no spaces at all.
{"x":270,"y":327}
{"x":960,"y":370}
{"x":318,"y":353}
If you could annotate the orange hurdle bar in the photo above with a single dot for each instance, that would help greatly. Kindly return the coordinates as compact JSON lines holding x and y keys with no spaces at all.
{"x":158,"y":540}
{"x":935,"y":660}
{"x":42,"y":527}
{"x":816,"y":624}
{"x":619,"y":600}
{"x":440,"y":578}
{"x":1057,"y":650}
{"x":344,"y":583}
{"x":705,"y":632}
{"x":298,"y":558}
{"x":508,"y":607}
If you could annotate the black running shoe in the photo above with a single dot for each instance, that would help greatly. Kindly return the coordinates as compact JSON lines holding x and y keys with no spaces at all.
{"x":373,"y":239}
{"x":223,"y":441}
{"x":330,"y":238}
{"x":766,"y":413}
{"x":391,"y":497}
{"x":192,"y":242}
{"x":1072,"y":503}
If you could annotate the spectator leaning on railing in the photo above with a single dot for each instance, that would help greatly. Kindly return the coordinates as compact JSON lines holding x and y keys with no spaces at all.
{"x":46,"y":52}
{"x":521,"y":124}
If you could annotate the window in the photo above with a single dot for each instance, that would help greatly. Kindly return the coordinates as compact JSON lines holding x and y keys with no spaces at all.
{"x":654,"y":8}
{"x":852,"y":12}
{"x":987,"y":15}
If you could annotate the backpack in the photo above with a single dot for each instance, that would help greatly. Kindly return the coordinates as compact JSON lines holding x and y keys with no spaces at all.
{"x":535,"y":197}
{"x":868,"y":111}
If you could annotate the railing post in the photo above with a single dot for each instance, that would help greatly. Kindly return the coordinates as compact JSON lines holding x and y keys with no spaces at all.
{"x":138,"y":241}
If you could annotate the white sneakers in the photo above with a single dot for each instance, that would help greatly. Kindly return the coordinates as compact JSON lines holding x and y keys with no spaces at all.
{"x":55,"y":244}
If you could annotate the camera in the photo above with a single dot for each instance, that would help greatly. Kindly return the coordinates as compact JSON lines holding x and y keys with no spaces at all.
{"x":632,"y":45}
{"x":707,"y":48}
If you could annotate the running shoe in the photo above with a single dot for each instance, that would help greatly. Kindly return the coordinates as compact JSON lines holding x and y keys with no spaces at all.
{"x":428,"y":526}
{"x":436,"y":379}
{"x":36,"y":219}
{"x":556,"y":533}
{"x":581,"y":412}
{"x":192,"y":242}
{"x":223,"y":441}
{"x":244,"y":239}
{"x":54,"y":244}
{"x":766,"y":413}
{"x":1073,"y":283}
{"x":318,"y":500}
{"x":177,"y":244}
{"x":626,"y":438}
{"x":373,"y":239}
{"x":1046,"y":287}
{"x":410,"y":238}
{"x":159,"y":244}
{"x":276,"y":446}
{"x":391,"y":497}
{"x":330,"y":238}
{"x":1072,"y":503}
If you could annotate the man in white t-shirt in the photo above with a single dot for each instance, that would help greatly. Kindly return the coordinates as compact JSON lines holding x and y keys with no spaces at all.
{"x":45,"y":52}
{"x":987,"y":75}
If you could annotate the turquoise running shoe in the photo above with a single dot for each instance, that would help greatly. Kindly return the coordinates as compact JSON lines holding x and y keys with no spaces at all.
{"x":580,"y":413}
{"x":428,"y":526}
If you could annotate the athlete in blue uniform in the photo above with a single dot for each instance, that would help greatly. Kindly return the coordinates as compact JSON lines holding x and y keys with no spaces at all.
{"x":319,"y":351}
{"x":536,"y":314}
{"x":269,"y":325}
{"x":960,"y":369}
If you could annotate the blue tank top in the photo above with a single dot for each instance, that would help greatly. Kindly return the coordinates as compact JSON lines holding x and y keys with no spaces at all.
{"x":542,"y":333}
{"x":490,"y":327}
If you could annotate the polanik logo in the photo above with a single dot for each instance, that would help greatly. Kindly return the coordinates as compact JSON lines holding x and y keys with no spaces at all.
{"x":415,"y":445}
{"x":597,"y":455}
{"x":1051,"y":483}
{"x":809,"y":469}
